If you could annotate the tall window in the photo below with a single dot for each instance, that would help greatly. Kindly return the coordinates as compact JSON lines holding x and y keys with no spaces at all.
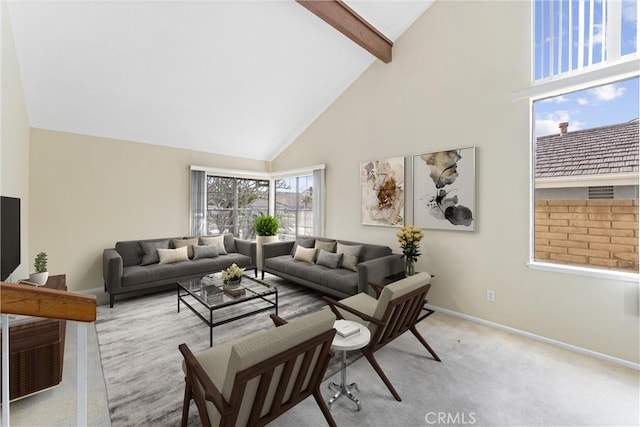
{"x":572,"y":36}
{"x":295,"y":206}
{"x":585,"y":134}
{"x":234,"y":203}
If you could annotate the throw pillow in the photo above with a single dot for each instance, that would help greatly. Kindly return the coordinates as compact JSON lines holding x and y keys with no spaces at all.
{"x":169,"y":256}
{"x":189,"y":243}
{"x":305,"y":254}
{"x":214,"y":241}
{"x":305,"y":243}
{"x":329,"y":246}
{"x":229,"y":243}
{"x":150,"y":251}
{"x":205,"y":252}
{"x":351,"y":254}
{"x":329,"y":259}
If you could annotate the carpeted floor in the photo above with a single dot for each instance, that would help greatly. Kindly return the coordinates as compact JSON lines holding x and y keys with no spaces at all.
{"x":139,"y":338}
{"x":488,"y":377}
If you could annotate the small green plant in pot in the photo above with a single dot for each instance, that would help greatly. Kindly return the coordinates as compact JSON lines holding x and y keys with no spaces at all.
{"x":266,"y":228}
{"x":40,"y":265}
{"x":266,"y":225}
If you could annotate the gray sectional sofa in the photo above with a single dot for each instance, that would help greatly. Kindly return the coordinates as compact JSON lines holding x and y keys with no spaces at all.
{"x":373,"y":263}
{"x":132,"y":266}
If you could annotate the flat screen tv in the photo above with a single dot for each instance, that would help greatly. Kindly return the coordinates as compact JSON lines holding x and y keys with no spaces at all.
{"x":9,"y":236}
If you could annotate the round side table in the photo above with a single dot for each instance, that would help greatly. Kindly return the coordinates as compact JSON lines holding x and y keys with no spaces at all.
{"x":344,"y":344}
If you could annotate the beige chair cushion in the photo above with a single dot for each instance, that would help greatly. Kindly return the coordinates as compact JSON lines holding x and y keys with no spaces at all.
{"x":362,"y":302}
{"x":214,"y":361}
{"x":398,"y":289}
{"x":262,"y":345}
{"x":376,"y":307}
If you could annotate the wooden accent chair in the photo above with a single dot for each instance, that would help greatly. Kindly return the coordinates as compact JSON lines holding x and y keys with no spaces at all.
{"x":394,"y":312}
{"x":256,"y":378}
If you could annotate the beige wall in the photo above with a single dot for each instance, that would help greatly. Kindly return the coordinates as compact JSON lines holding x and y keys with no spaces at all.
{"x":89,"y":192}
{"x":14,"y":142}
{"x":450,"y":86}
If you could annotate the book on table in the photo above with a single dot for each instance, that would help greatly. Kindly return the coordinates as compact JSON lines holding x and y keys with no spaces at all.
{"x":346,"y":330}
{"x":234,"y":292}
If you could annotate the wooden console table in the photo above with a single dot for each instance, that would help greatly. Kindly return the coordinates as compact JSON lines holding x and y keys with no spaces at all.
{"x":36,"y":349}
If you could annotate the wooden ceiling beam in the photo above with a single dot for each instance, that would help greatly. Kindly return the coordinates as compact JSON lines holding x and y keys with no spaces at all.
{"x":348,"y":22}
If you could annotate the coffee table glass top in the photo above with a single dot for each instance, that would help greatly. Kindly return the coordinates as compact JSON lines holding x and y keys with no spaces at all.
{"x":210,"y":290}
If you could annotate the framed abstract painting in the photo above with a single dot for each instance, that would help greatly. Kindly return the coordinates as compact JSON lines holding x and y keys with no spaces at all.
{"x":444,"y":189}
{"x":382,"y":184}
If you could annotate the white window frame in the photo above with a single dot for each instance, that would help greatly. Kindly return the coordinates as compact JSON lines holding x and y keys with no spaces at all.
{"x":271,"y":177}
{"x":625,"y":68}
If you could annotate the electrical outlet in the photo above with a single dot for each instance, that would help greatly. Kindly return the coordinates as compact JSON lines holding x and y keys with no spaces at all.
{"x":491,"y":296}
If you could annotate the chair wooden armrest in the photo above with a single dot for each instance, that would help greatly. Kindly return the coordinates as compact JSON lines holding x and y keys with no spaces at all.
{"x":336,"y":304}
{"x":277,"y":320}
{"x":377,"y":288}
{"x":211,"y":393}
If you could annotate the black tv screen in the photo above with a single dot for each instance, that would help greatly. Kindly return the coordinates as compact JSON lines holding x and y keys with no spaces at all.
{"x":9,"y":236}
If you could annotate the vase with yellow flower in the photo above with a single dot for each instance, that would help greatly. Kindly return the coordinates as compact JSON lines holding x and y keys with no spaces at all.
{"x":409,"y":238}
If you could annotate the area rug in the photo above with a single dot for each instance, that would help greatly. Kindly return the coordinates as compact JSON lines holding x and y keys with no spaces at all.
{"x":138,"y":341}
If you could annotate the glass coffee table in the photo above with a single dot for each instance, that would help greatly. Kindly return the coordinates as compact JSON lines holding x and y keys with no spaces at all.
{"x":209,"y":294}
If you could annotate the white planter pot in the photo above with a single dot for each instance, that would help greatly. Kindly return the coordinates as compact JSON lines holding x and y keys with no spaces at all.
{"x":261,"y":240}
{"x":39,"y":279}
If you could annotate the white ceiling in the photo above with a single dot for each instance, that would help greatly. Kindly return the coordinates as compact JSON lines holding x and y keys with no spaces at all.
{"x":229,"y":77}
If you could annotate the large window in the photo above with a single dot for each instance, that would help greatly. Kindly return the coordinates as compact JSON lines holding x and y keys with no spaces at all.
{"x":586,"y":177}
{"x":234,"y":203}
{"x":294,"y":206}
{"x":228,"y":201}
{"x":584,"y":99}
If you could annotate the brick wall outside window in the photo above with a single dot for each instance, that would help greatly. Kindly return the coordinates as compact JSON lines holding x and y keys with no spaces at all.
{"x":588,"y":233}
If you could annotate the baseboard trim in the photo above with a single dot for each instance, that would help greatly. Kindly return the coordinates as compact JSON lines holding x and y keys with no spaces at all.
{"x":570,"y":347}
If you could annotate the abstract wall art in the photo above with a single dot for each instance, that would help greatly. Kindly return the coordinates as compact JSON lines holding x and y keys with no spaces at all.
{"x":444,"y":186}
{"x":382,"y":183}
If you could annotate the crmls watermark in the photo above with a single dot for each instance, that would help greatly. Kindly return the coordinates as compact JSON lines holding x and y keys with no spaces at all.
{"x":454,"y":418}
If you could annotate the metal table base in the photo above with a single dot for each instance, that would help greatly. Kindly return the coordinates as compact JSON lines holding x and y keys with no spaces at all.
{"x":343,"y":389}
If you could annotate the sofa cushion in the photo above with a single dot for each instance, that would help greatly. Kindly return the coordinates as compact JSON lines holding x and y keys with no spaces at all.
{"x":189,"y":243}
{"x":207,"y":265}
{"x":130,"y":251}
{"x":369,"y":251}
{"x":305,"y":254}
{"x":150,"y":250}
{"x":217,"y":241}
{"x":351,"y":255}
{"x":327,"y":245}
{"x":304,"y":242}
{"x":205,"y":252}
{"x":339,"y":279}
{"x":139,"y":274}
{"x":169,"y":256}
{"x":329,"y":259}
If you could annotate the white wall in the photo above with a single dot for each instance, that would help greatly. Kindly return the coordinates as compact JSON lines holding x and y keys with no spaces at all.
{"x":14,"y":142}
{"x":449,"y":86}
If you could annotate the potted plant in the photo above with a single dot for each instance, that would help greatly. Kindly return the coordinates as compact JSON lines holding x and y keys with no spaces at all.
{"x":41,"y":275}
{"x":232,"y":276}
{"x":266,"y":228}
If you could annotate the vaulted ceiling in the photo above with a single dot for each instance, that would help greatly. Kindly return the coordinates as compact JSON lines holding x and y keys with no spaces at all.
{"x":229,"y":77}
